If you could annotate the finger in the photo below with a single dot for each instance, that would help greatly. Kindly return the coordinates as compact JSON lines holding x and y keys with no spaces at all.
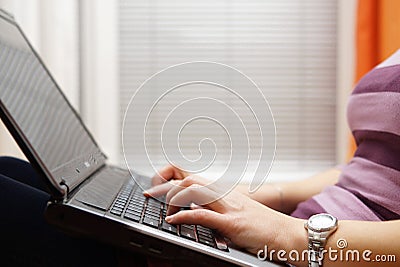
{"x":204,"y":217}
{"x":199,"y":195}
{"x":167,"y":173}
{"x":159,"y":190}
{"x":188,"y":181}
{"x":194,"y":206}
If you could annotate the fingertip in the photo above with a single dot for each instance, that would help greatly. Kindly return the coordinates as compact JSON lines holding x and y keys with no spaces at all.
{"x":169,"y":219}
{"x":149,"y":192}
{"x":194,"y":206}
{"x":189,"y":217}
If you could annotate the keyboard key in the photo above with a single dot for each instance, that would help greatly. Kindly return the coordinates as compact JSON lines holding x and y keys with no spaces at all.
{"x":206,"y":241}
{"x":188,"y":226}
{"x":136,"y":202}
{"x":154,"y":209}
{"x":119,"y":206}
{"x":220,"y":242}
{"x":116,"y":212}
{"x":155,"y":218}
{"x":138,"y":192}
{"x":135,"y":206}
{"x":153,"y":213}
{"x":138,"y":199}
{"x":136,"y":212}
{"x":202,"y":229}
{"x":187,"y":231}
{"x":169,"y":228}
{"x":205,"y":235}
{"x":132,"y":217}
{"x":153,"y":201}
{"x":151,"y":222}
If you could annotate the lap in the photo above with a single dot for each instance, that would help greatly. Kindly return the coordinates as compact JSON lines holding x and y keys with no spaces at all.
{"x":29,"y":240}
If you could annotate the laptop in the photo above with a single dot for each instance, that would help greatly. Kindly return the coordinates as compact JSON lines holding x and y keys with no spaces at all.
{"x":90,"y":197}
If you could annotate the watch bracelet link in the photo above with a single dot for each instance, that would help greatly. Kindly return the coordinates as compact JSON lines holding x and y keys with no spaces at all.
{"x":316,"y":247}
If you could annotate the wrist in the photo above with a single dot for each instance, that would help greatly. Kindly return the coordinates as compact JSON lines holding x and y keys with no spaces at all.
{"x":283,"y":193}
{"x":270,"y":195}
{"x":288,"y":242}
{"x":296,"y":242}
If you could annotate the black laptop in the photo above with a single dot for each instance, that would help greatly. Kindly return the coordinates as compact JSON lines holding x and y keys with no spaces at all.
{"x":90,"y":197}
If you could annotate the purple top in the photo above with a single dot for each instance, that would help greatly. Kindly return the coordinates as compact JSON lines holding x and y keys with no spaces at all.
{"x":369,"y":185}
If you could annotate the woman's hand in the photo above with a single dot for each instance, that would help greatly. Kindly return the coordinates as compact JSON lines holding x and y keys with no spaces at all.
{"x":246,"y":222}
{"x":269,"y":194}
{"x":285,"y":196}
{"x":164,"y":180}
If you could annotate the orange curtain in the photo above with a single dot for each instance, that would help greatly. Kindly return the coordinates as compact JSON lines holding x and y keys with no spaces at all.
{"x":377,"y":37}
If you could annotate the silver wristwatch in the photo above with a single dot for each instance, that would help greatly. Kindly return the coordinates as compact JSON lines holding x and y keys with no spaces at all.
{"x":320,"y":227}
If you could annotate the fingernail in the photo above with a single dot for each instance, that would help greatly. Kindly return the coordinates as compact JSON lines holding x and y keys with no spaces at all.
{"x":168,"y":219}
{"x":148,"y":192}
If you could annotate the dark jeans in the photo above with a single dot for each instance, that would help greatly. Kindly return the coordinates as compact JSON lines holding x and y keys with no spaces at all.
{"x":27,"y":240}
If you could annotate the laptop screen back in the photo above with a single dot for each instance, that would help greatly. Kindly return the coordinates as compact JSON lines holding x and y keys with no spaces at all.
{"x":40,"y":113}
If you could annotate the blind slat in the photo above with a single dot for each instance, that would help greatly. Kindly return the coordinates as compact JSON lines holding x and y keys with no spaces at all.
{"x":287,"y":47}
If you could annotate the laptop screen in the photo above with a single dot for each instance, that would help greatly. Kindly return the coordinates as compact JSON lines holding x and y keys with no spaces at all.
{"x":40,"y":113}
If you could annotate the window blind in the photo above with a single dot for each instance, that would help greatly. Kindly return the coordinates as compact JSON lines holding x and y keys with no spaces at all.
{"x":287,"y":47}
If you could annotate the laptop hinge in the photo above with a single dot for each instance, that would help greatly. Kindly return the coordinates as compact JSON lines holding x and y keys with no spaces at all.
{"x":73,"y":173}
{"x":64,"y":185}
{"x":73,"y":190}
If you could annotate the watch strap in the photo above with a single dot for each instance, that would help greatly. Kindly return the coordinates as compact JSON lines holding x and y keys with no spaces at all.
{"x":316,"y":246}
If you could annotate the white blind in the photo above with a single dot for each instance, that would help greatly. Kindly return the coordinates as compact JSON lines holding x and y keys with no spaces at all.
{"x":287,"y":47}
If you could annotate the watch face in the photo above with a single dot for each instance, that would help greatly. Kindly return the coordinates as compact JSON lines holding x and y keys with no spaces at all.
{"x":322,"y":222}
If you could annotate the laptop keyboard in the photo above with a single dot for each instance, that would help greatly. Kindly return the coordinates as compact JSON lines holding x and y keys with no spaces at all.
{"x":131,"y":204}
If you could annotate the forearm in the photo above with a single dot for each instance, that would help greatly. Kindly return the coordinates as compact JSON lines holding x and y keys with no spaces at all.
{"x":368,"y":243}
{"x":298,"y":191}
{"x":381,"y":238}
{"x":286,"y":196}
